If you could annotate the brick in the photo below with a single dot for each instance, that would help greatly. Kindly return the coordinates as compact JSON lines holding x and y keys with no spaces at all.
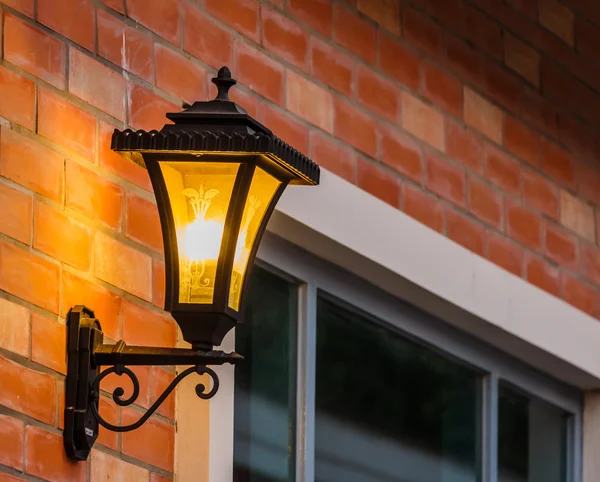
{"x":34,"y":51}
{"x":160,"y":380}
{"x":29,"y":277}
{"x":12,"y":435}
{"x":483,"y":32}
{"x":386,"y":13}
{"x":501,"y":86}
{"x":65,"y":124}
{"x":94,"y":196}
{"x":316,"y":13}
{"x":422,"y":32}
{"x":590,"y":262}
{"x":562,"y":248}
{"x":353,"y":126}
{"x":124,"y":46}
{"x":542,"y":274}
{"x":241,"y":15}
{"x":115,"y":5}
{"x":464,"y":146}
{"x":110,"y":412}
{"x":46,"y":458}
{"x":502,"y":170}
{"x":32,"y":165}
{"x":53,"y":234}
{"x":123,"y":266}
{"x":205,"y":40}
{"x":558,"y":19}
{"x":259,"y":73}
{"x":357,"y":35}
{"x":524,"y":226}
{"x":423,"y":121}
{"x":96,"y":84}
{"x":577,"y":215}
{"x":528,"y":7}
{"x":17,"y":98}
{"x":464,"y":60}
{"x":485,"y":203}
{"x":309,"y":101}
{"x":160,"y":16}
{"x":48,"y":343}
{"x":465,"y":231}
{"x":483,"y":116}
{"x":537,"y":110}
{"x":105,"y":303}
{"x":580,"y":295}
{"x":378,"y":94}
{"x":16,"y":216}
{"x":142,"y":223}
{"x":442,"y":89}
{"x":401,"y":153}
{"x":117,"y":164}
{"x":333,"y":156}
{"x":424,"y":208}
{"x":105,"y":467}
{"x":146,"y":109}
{"x":449,"y":12}
{"x":399,"y":62}
{"x":523,"y":59}
{"x":332,"y":66}
{"x":504,"y":253}
{"x":589,"y":182}
{"x":14,"y":330}
{"x":285,"y":127}
{"x":445,"y":179}
{"x":178,"y":75}
{"x":381,"y":184}
{"x":152,"y":443}
{"x":522,"y":141}
{"x":72,"y":19}
{"x":557,"y":163}
{"x":17,"y":394}
{"x":26,"y":7}
{"x":284,"y":38}
{"x":158,"y":478}
{"x":540,"y":194}
{"x":588,"y":38}
{"x":158,"y":283}
{"x":9,"y":478}
{"x":112,"y":382}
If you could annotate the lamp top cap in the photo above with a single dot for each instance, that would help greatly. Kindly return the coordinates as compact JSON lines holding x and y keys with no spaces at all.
{"x":219,"y":114}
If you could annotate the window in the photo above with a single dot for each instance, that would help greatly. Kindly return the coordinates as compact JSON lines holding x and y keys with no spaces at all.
{"x":343,"y":383}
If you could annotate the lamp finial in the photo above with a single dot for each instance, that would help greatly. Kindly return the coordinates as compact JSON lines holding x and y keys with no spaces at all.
{"x":224,"y":82}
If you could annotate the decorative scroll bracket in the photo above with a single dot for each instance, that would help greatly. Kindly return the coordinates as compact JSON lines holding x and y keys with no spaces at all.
{"x":86,"y":354}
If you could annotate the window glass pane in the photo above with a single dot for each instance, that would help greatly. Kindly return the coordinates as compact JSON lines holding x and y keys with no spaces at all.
{"x":532,"y":438}
{"x":389,"y":409}
{"x":265,"y":383}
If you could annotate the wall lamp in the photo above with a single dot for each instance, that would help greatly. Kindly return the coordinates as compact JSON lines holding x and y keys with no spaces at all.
{"x":217,"y":175}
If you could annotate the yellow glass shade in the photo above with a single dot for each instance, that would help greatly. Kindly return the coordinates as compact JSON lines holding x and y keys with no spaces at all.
{"x":199,"y":194}
{"x":262,"y":189}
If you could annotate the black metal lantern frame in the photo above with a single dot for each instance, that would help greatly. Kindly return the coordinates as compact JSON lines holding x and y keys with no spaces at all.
{"x":204,"y":135}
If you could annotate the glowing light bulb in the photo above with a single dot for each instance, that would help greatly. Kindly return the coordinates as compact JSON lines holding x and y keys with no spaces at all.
{"x":202,"y":241}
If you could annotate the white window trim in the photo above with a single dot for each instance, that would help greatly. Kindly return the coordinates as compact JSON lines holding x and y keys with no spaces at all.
{"x":348,"y":227}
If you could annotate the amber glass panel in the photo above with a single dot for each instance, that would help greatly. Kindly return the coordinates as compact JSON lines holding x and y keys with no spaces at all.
{"x":199,"y":194}
{"x":263,"y":188}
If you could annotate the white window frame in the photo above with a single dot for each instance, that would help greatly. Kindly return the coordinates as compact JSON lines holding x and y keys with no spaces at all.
{"x":313,"y":275}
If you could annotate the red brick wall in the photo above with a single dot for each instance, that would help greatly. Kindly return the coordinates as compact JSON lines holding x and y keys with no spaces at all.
{"x":479,"y":118}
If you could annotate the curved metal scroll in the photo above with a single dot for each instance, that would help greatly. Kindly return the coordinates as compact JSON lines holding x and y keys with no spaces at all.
{"x":119,"y":391}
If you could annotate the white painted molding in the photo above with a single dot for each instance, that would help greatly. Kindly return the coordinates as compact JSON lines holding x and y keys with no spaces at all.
{"x":351,"y":228}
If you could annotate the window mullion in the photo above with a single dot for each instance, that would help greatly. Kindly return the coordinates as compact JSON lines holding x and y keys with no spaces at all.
{"x":489,"y":433}
{"x":305,"y":404}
